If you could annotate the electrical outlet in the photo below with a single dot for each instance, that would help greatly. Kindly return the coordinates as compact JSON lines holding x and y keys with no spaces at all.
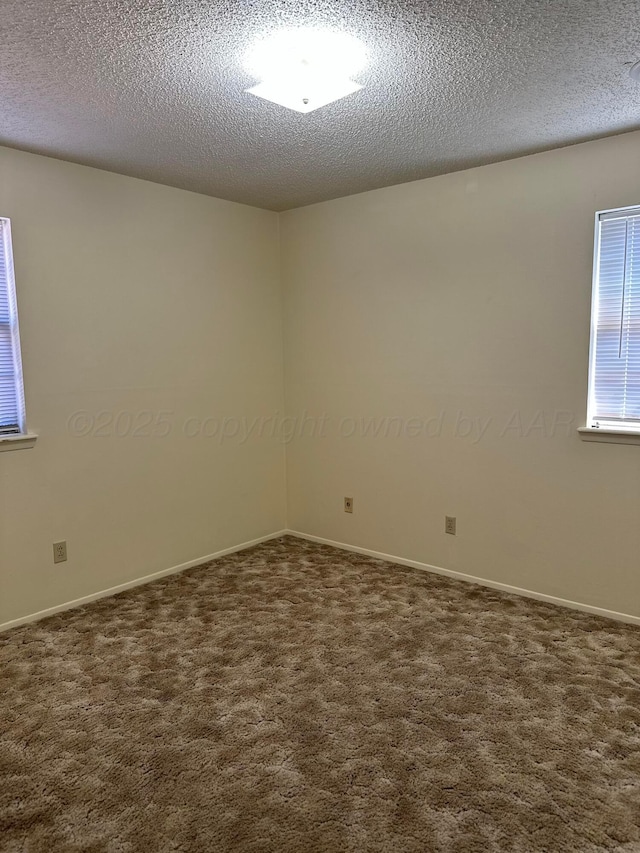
{"x":59,"y":552}
{"x":450,"y":524}
{"x":348,"y":504}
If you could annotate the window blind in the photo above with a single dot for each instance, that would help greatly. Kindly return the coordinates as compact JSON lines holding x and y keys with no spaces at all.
{"x":11,"y":392}
{"x":614,"y":398}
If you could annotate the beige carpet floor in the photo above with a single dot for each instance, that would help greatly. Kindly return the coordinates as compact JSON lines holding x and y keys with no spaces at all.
{"x":296,"y":698}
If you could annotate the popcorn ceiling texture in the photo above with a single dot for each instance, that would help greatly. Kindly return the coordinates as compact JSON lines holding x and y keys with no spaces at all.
{"x":298,"y":699}
{"x":154,"y":88}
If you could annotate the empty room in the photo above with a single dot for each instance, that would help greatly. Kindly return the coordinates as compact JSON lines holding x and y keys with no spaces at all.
{"x":319,"y":426}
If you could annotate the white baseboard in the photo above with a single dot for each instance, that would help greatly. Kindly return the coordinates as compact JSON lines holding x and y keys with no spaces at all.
{"x":390,"y":558}
{"x":105,"y":593}
{"x":503,"y":587}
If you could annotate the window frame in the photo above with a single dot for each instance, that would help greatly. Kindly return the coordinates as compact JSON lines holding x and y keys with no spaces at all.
{"x":23,"y":438}
{"x":607,"y":433}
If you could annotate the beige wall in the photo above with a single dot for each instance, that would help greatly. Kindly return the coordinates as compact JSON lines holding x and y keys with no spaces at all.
{"x":436,"y":345}
{"x":463,"y":296}
{"x":136,"y":298}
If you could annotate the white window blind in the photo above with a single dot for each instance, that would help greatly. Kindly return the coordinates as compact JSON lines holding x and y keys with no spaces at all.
{"x":614,"y":386}
{"x":12,"y":418}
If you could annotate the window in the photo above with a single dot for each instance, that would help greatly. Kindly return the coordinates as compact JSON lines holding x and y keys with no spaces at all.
{"x":12,"y":416}
{"x":614,"y":380}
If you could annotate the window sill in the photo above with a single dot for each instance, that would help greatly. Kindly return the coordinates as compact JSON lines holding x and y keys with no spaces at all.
{"x":17,"y":442}
{"x":609,"y":436}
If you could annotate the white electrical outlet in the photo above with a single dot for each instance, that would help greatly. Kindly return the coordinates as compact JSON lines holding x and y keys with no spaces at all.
{"x":450,"y":524}
{"x":59,"y":552}
{"x":348,"y":504}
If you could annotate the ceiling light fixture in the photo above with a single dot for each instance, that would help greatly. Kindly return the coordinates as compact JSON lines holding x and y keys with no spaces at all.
{"x":305,"y":69}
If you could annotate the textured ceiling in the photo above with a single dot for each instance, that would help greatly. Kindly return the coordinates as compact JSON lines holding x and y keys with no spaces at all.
{"x":154,"y":88}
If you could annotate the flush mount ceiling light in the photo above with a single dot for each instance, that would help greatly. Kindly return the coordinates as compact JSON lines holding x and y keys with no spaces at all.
{"x":305,"y":69}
